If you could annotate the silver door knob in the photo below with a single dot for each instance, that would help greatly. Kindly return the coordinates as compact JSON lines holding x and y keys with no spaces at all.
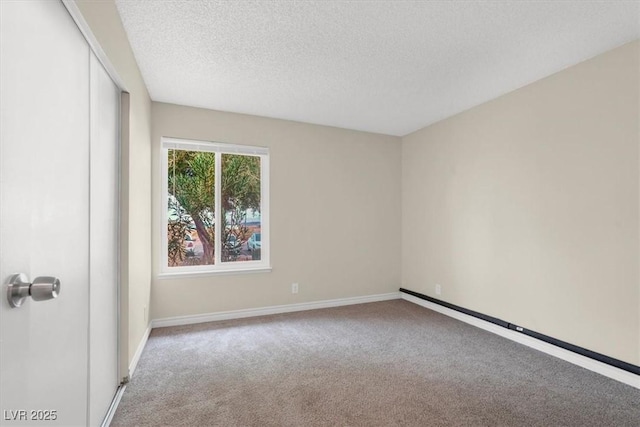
{"x":42,"y":289}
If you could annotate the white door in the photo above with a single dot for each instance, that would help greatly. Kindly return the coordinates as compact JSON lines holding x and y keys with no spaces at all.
{"x":103,"y":242}
{"x":50,"y":357}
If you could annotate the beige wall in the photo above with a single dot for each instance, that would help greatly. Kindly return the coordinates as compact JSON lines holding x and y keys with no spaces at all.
{"x":335,"y":213}
{"x":526,"y":208}
{"x":103,"y":18}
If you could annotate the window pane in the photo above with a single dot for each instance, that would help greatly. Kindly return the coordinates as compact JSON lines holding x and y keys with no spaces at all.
{"x":241,"y":219}
{"x":191,"y":204}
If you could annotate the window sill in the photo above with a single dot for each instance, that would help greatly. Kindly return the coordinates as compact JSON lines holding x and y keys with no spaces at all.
{"x":221,"y":272}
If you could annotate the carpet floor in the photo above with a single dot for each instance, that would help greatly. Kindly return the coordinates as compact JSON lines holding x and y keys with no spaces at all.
{"x":379,"y":364}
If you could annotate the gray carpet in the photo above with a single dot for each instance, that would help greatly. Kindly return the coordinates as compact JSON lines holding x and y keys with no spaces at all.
{"x":379,"y":364}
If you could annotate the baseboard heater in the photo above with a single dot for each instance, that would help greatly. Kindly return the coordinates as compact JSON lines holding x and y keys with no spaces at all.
{"x":559,"y":343}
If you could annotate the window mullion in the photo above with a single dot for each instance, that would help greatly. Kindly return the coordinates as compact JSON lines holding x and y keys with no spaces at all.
{"x":218,"y":209}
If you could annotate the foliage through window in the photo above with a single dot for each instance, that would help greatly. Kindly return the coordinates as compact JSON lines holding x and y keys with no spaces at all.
{"x":216,"y":206}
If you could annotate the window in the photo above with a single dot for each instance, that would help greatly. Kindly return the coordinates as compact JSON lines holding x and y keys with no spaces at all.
{"x":215,"y":207}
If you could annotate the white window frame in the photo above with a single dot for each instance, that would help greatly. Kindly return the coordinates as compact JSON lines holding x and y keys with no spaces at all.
{"x":230,"y":267}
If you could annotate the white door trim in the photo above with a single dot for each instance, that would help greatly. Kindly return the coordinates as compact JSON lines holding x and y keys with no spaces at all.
{"x":95,"y":46}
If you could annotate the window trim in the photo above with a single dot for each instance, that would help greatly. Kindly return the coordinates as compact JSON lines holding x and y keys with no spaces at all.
{"x":219,"y":148}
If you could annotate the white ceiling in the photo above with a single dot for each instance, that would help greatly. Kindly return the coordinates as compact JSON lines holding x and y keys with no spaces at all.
{"x":390,"y":67}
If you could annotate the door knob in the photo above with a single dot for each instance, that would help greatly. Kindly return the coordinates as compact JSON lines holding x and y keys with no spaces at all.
{"x":42,"y":289}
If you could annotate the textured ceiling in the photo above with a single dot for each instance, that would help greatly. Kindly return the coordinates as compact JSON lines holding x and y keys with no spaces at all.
{"x":390,"y":67}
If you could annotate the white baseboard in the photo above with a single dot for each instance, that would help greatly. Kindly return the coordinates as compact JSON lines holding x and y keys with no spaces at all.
{"x":138,"y":353}
{"x":276,"y":309}
{"x":559,"y":352}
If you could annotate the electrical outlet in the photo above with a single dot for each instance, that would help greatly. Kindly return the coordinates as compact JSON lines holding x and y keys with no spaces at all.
{"x":294,"y":288}
{"x":438,"y":289}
